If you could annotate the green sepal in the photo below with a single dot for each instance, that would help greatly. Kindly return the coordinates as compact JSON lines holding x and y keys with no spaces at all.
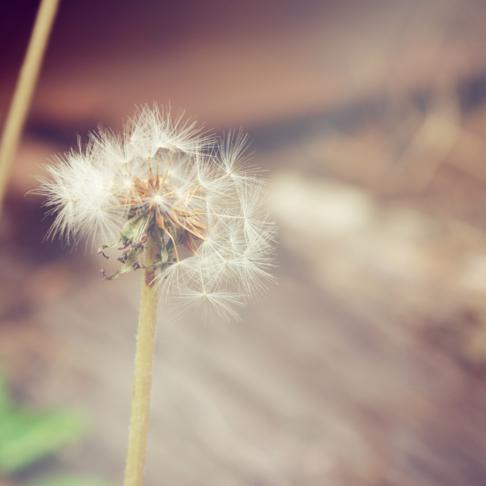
{"x":134,"y":229}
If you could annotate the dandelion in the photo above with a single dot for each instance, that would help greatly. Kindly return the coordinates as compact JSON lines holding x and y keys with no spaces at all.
{"x":170,"y":200}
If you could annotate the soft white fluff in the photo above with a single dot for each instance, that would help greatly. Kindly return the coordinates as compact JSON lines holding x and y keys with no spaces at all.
{"x":88,"y":191}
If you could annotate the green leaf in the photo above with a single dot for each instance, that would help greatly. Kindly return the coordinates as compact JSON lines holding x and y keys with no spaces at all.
{"x":5,"y":401}
{"x":27,"y":437}
{"x":66,"y":481}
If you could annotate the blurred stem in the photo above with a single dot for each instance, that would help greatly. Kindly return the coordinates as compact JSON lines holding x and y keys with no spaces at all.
{"x":24,"y":88}
{"x":142,"y":381}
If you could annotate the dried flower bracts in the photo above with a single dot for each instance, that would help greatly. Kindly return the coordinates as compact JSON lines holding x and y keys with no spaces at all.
{"x":168,"y":188}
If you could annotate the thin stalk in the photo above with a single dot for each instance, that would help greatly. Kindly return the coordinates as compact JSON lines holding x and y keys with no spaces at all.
{"x":24,"y":88}
{"x":142,"y":381}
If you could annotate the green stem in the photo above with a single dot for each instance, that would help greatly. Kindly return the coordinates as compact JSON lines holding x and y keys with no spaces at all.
{"x":142,"y":384}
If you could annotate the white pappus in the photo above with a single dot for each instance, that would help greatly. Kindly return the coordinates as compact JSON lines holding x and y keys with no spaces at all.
{"x":168,"y":189}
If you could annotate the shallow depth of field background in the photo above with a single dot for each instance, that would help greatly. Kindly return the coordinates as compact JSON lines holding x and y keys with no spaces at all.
{"x":365,"y":363}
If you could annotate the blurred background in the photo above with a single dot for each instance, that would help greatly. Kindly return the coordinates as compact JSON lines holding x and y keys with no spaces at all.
{"x":365,"y":363}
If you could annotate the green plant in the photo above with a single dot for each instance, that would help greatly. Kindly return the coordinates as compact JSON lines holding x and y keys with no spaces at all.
{"x":28,"y":436}
{"x":66,"y":481}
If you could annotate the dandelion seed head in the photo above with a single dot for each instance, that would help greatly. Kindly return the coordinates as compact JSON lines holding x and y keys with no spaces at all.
{"x":166,"y":185}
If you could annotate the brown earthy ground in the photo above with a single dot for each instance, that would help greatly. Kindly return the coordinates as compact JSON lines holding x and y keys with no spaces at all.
{"x":365,"y":363}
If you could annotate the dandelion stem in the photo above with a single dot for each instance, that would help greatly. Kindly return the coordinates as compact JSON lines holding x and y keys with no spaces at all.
{"x":24,"y":88}
{"x":142,"y":382}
